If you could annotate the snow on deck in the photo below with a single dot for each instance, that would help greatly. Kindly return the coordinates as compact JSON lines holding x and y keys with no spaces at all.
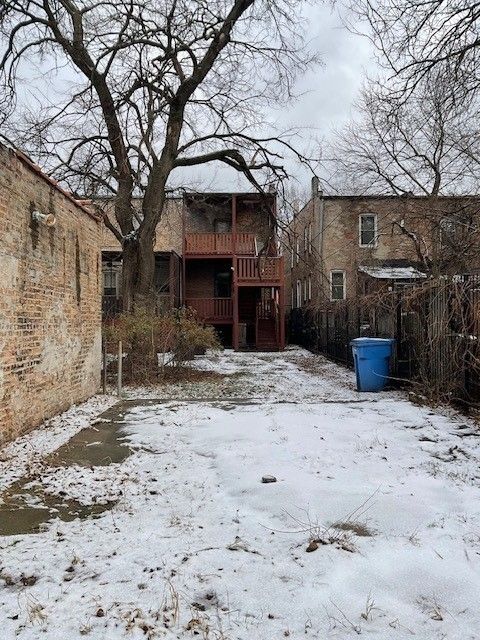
{"x":198,"y":546}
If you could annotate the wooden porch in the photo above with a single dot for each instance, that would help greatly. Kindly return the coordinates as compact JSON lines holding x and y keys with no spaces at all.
{"x":212,"y":310}
{"x":261,"y":271}
{"x":219,"y":244}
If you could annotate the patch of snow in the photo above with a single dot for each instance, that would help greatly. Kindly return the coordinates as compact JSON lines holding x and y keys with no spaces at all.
{"x":26,"y":453}
{"x":199,"y":546}
{"x":393,"y":273}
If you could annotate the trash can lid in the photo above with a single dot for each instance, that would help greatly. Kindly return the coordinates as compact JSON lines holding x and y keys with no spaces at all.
{"x":371,"y":342}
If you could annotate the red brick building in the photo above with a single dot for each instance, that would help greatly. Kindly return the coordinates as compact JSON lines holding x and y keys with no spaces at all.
{"x":218,"y":254}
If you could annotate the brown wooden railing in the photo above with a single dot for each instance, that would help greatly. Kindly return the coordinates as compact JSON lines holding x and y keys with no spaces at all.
{"x":266,"y":309}
{"x":220,"y":244}
{"x":258,"y":270}
{"x":211,"y":309}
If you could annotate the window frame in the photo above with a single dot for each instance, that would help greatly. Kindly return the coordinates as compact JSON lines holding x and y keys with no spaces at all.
{"x":299,"y":295}
{"x":309,"y":287}
{"x":374,"y":242}
{"x":309,"y":237}
{"x":344,"y":285}
{"x":297,"y":249}
{"x":112,"y":271}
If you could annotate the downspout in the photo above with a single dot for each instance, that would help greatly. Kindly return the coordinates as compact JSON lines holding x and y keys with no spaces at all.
{"x":319,"y":224}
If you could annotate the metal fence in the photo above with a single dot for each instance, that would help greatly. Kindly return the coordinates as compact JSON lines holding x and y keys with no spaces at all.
{"x":435,"y":324}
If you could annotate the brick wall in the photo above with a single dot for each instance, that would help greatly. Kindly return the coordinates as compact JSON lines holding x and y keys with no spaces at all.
{"x":168,"y":234}
{"x":200,"y":277}
{"x":50,"y":312}
{"x":338,"y":246}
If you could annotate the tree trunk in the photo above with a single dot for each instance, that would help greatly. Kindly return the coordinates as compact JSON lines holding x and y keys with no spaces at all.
{"x":138,"y":271}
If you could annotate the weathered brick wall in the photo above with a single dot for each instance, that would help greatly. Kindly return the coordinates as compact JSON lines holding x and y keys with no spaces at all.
{"x":168,"y":234}
{"x":419,"y":216}
{"x":302,"y":238}
{"x":338,"y":247}
{"x":50,"y":311}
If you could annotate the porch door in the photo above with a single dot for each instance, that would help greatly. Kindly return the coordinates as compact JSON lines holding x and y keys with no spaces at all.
{"x":222,"y":283}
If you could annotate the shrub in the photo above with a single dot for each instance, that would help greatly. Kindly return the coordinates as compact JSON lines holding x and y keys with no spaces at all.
{"x":159,"y":344}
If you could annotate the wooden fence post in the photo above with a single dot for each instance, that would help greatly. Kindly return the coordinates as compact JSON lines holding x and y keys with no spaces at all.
{"x":119,"y":369}
{"x":104,"y":370}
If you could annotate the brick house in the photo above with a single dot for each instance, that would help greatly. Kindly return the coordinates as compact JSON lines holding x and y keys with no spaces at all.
{"x":342,"y":247}
{"x":168,"y":270}
{"x":50,"y":319}
{"x":218,"y":254}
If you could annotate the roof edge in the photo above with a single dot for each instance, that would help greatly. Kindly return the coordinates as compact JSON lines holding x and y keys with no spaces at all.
{"x":35,"y":168}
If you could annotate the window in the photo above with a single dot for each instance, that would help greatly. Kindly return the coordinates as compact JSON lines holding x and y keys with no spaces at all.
{"x":305,"y":239}
{"x":368,"y":230}
{"x":309,"y":237}
{"x":162,"y":274}
{"x":299,"y":294}
{"x":292,"y":257}
{"x":111,"y":271}
{"x":109,"y":283}
{"x":297,"y":249}
{"x":304,"y":290}
{"x":309,"y":288}
{"x":293,"y":298}
{"x":337,"y":285}
{"x":454,"y":231}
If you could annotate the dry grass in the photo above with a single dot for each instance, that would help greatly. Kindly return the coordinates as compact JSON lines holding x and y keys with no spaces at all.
{"x":190,"y":374}
{"x":360,"y":529}
{"x":340,"y":534}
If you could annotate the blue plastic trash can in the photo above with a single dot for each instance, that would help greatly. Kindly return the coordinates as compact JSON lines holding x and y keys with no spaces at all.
{"x":372,"y":362}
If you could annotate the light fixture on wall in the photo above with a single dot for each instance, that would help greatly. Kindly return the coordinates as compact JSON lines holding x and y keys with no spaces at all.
{"x":48,"y":219}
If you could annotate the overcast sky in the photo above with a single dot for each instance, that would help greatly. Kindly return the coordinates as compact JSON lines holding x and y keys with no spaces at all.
{"x":327,"y":95}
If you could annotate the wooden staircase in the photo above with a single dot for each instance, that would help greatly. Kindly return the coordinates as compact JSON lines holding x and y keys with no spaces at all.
{"x":267,"y":335}
{"x":267,"y":339}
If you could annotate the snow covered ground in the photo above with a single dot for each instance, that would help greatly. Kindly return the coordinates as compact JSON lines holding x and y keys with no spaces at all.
{"x":372,"y":528}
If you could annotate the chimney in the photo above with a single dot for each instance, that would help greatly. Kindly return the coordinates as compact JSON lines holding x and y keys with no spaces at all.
{"x":316,"y":191}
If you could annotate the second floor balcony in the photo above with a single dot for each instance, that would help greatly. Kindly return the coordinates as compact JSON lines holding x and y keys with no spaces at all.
{"x":220,"y":244}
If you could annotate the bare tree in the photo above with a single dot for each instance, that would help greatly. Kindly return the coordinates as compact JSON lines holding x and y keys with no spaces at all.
{"x":413,"y":37}
{"x":151,"y":87}
{"x":415,"y":144}
{"x":418,"y":143}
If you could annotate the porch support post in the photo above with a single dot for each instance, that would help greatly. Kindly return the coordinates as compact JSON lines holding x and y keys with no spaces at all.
{"x":281,"y":311}
{"x":182,"y":294}
{"x":235,"y":328}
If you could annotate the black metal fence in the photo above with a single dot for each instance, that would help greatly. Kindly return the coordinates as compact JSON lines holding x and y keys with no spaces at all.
{"x":435,"y":324}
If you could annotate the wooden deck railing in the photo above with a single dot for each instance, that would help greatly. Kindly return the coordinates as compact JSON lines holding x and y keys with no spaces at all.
{"x":207,"y":244}
{"x":258,"y":270}
{"x":211,"y":309}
